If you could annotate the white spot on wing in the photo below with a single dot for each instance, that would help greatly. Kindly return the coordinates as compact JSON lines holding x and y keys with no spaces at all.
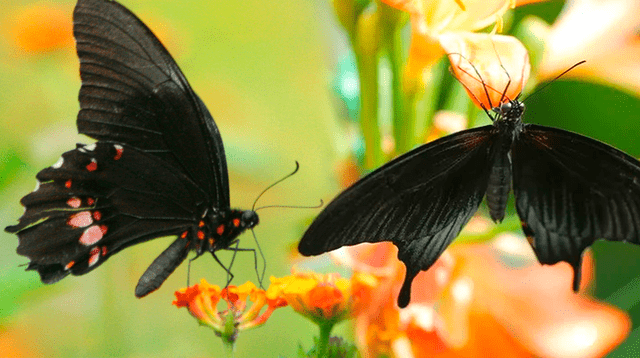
{"x":81,"y":219}
{"x":90,"y":147}
{"x":92,"y":235}
{"x":95,"y":255}
{"x":37,"y":186}
{"x":74,"y":202}
{"x":58,"y":164}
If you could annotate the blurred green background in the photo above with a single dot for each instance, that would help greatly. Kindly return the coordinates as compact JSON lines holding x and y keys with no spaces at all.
{"x":265,"y":70}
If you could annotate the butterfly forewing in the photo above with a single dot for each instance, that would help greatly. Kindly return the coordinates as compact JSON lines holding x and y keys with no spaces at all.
{"x":571,"y":190}
{"x":419,"y":201}
{"x":134,"y":93}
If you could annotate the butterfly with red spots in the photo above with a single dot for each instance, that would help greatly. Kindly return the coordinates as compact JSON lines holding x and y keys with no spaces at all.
{"x":158,"y":168}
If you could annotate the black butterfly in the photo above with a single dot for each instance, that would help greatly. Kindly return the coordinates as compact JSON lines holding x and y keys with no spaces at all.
{"x":570,"y":190}
{"x":158,"y":168}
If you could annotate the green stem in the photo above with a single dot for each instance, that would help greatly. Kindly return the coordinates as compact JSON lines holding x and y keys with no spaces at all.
{"x":323,"y":340}
{"x":457,"y":99}
{"x":425,"y":103}
{"x":228,"y":349}
{"x":403,"y":120}
{"x":366,"y":51}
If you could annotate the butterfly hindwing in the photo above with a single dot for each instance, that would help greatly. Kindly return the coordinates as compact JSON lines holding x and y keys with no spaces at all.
{"x":134,"y":93}
{"x":571,"y":190}
{"x":97,"y":200}
{"x":419,"y":201}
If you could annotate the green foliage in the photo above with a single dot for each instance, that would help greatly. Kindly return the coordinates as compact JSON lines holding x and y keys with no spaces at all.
{"x":337,"y":348}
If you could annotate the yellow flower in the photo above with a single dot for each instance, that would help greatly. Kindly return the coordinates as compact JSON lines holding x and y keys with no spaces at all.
{"x":430,"y":19}
{"x":202,"y":299}
{"x":323,"y":298}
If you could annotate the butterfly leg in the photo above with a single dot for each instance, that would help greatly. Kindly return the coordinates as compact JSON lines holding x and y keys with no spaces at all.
{"x":189,"y":270}
{"x":255,"y":260}
{"x":229,"y":274}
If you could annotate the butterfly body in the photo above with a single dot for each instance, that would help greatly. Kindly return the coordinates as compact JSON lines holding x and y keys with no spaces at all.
{"x":570,"y":190}
{"x":158,"y":167}
{"x":508,"y":126}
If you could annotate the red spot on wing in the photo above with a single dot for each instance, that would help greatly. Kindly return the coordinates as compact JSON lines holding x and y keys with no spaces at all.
{"x":211,"y":241}
{"x":236,"y":222}
{"x":104,"y":251}
{"x":200,"y":235}
{"x":94,"y":256}
{"x":119,"y":151}
{"x":97,"y":215}
{"x":92,"y":235}
{"x":184,"y":235}
{"x":81,"y":219}
{"x":67,"y":184}
{"x":92,"y":166}
{"x":74,"y":202}
{"x":103,"y":229}
{"x":91,"y":201}
{"x":220,"y":230}
{"x":69,"y":265}
{"x":201,"y":224}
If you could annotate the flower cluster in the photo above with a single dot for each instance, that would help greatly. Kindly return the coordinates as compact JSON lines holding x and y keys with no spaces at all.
{"x":202,"y":302}
{"x":481,"y":300}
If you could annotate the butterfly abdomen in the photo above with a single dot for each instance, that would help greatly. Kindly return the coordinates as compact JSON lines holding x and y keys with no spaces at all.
{"x":499,"y":182}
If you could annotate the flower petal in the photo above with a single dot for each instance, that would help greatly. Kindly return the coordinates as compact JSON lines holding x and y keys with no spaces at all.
{"x":604,"y":33}
{"x":493,"y":68}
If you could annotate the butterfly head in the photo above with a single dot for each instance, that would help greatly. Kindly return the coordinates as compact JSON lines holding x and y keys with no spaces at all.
{"x":249,"y":219}
{"x":510,"y":111}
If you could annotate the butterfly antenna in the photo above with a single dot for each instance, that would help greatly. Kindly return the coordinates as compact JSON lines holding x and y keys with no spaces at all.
{"x":292,"y":206}
{"x":557,"y":77}
{"x":504,"y":93}
{"x":484,"y":86}
{"x":276,"y":183}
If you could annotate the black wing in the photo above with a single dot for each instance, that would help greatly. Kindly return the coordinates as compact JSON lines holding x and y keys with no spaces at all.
{"x":96,"y":201}
{"x":134,"y":93}
{"x":419,"y":201}
{"x":571,"y":190}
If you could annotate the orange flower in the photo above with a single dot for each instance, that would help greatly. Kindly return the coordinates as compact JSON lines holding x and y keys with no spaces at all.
{"x":323,"y":298}
{"x":202,"y":299}
{"x":604,"y":33}
{"x":431,"y":19}
{"x":490,"y":77}
{"x":41,"y":28}
{"x":483,"y":301}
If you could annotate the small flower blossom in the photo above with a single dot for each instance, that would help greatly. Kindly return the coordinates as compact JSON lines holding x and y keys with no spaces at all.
{"x":490,"y":77}
{"x":202,"y":300}
{"x":324,"y":298}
